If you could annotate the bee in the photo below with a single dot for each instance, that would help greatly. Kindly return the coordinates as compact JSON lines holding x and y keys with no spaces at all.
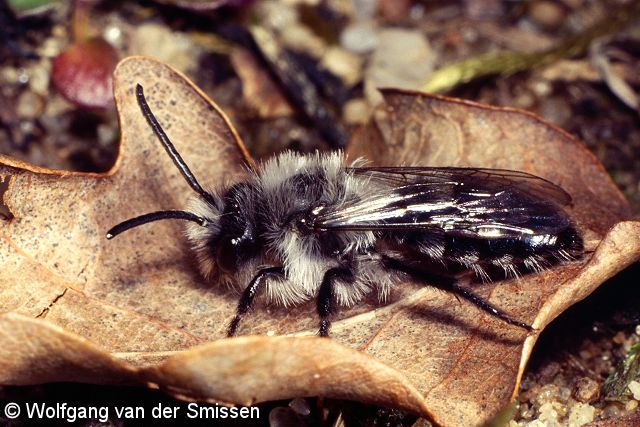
{"x":304,"y":227}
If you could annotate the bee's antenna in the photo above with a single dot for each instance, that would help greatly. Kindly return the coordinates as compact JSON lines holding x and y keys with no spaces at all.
{"x":168,"y":146}
{"x":154,"y":216}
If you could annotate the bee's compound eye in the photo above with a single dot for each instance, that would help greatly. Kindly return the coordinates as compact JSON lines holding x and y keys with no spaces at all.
{"x":305,"y":222}
{"x":227,"y":256}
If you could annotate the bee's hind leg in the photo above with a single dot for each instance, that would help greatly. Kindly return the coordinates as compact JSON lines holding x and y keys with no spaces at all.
{"x":249,"y":294}
{"x":325,"y":303}
{"x":485,"y":305}
{"x":450,"y":285}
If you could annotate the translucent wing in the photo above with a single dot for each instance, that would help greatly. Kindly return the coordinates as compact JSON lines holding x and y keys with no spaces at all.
{"x":483,"y":178}
{"x":473,"y":202}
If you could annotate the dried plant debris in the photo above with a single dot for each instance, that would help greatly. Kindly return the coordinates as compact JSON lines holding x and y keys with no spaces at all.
{"x":625,"y":381}
{"x":133,"y":311}
{"x":507,"y":63}
{"x":299,"y":87}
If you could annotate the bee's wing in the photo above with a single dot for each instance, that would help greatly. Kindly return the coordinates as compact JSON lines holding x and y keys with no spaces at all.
{"x":483,"y":179}
{"x":474,"y":202}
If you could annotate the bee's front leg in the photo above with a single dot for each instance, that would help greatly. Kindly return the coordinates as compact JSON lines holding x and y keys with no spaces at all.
{"x":249,"y":294}
{"x":326,"y":299}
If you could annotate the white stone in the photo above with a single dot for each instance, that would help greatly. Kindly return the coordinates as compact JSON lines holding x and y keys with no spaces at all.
{"x":402,"y":59}
{"x":548,"y":415}
{"x":581,"y":413}
{"x":39,"y":76}
{"x":356,"y":111}
{"x":360,"y":37}
{"x":276,"y":15}
{"x":171,"y":47}
{"x":343,"y":64}
{"x":29,"y":105}
{"x":634,"y":387}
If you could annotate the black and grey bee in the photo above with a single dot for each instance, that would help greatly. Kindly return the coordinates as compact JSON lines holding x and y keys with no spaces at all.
{"x":307,"y":227}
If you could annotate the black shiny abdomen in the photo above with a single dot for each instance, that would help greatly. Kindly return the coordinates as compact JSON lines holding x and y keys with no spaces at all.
{"x":447,"y":254}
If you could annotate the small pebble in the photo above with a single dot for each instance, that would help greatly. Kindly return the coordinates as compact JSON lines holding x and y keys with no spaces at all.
{"x":59,"y":31}
{"x":40,"y":75}
{"x":542,"y":87}
{"x":276,"y":15}
{"x":612,"y":410}
{"x":9,"y":75}
{"x":300,"y":406}
{"x":356,"y":111}
{"x":164,"y":44}
{"x":547,"y":394}
{"x":634,"y":387}
{"x":113,"y":35}
{"x":580,"y":414}
{"x":51,"y":47}
{"x":402,"y":59}
{"x":29,"y":105}
{"x":343,"y":64}
{"x":548,"y":414}
{"x":586,"y":390}
{"x":107,"y":134}
{"x":360,"y":37}
{"x":524,"y":100}
{"x":547,"y":14}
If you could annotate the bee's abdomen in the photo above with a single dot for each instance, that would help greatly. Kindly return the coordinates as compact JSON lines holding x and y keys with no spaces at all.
{"x":491,"y":258}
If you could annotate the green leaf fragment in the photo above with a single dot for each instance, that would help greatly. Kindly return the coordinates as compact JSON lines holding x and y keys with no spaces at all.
{"x":616,"y":387}
{"x":506,"y":63}
{"x":25,"y":5}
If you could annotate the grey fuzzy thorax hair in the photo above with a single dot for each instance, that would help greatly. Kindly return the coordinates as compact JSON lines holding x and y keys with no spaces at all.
{"x":283,"y":189}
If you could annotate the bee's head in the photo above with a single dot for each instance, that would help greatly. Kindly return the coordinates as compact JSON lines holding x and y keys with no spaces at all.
{"x":219,"y":228}
{"x":229,"y":237}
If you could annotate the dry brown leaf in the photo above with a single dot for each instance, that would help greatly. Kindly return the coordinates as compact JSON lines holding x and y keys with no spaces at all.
{"x":489,"y":357}
{"x":302,"y":366}
{"x":140,"y":299}
{"x":35,"y":352}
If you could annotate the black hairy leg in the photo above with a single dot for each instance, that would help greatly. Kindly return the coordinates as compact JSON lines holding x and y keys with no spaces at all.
{"x":449,"y":284}
{"x":326,"y":296}
{"x":249,"y":294}
{"x":486,"y":306}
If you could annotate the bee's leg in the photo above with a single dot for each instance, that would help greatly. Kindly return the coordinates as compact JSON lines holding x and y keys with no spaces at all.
{"x":326,"y":296}
{"x":250,"y":292}
{"x":485,"y":305}
{"x":449,"y":284}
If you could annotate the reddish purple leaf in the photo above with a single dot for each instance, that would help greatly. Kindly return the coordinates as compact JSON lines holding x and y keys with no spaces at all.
{"x":83,"y":73}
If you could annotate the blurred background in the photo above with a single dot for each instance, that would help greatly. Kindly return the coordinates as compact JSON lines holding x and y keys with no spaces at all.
{"x":302,"y":75}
